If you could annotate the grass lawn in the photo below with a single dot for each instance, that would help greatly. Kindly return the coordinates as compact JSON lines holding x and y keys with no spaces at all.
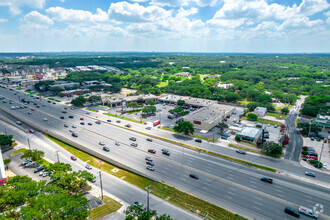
{"x":265,"y":121}
{"x":128,"y":119}
{"x":163,"y":191}
{"x":162,"y":84}
{"x":277,"y":115}
{"x":93,"y":110}
{"x":244,"y":102}
{"x":134,"y":111}
{"x":110,"y":206}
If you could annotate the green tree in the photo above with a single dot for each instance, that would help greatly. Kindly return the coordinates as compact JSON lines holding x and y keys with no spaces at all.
{"x":252,"y":117}
{"x":181,"y":102}
{"x":138,"y":212}
{"x":271,"y":149}
{"x":79,"y":101}
{"x":285,"y":111}
{"x":35,"y":155}
{"x":94,"y":99}
{"x":133,"y":105}
{"x":149,"y":110}
{"x":55,"y":90}
{"x":185,"y":127}
{"x":306,"y":127}
{"x":222,"y":126}
{"x":59,"y":167}
{"x":150,"y":102}
{"x":6,"y":140}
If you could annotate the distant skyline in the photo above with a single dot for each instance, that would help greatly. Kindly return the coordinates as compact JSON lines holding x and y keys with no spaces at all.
{"x":216,"y":26}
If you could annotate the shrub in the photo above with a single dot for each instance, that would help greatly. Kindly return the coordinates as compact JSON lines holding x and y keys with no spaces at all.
{"x":304,"y":152}
{"x":317,"y":165}
{"x":314,"y":161}
{"x":237,"y":138}
{"x":258,"y":126}
{"x":304,"y":148}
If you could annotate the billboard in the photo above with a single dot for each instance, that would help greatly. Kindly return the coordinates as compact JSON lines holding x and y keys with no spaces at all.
{"x":123,"y":105}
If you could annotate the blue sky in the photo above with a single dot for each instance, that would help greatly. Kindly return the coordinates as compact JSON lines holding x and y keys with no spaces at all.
{"x":271,"y":26}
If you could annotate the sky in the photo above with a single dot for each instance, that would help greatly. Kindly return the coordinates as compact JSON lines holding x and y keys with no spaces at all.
{"x":242,"y":26}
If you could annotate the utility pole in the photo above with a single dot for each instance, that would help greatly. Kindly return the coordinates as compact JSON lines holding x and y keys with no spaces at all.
{"x":325,"y":141}
{"x":58,"y":159}
{"x":19,"y":98}
{"x":101,"y":184}
{"x":5,"y":131}
{"x":309,"y":130}
{"x":29,"y":143}
{"x":148,"y":195}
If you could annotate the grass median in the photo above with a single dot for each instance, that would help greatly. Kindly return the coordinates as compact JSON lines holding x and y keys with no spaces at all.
{"x":93,"y":110}
{"x":161,"y":190}
{"x":109,"y":206}
{"x":128,"y":119}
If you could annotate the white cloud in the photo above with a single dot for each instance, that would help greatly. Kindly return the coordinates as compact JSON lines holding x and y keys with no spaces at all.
{"x":310,"y":7}
{"x":226,"y":23}
{"x":35,"y":20}
{"x":71,"y":15}
{"x":179,"y":3}
{"x":139,"y":0}
{"x":184,"y":13}
{"x":15,"y":5}
{"x":3,"y":20}
{"x":298,"y":23}
{"x":126,"y":12}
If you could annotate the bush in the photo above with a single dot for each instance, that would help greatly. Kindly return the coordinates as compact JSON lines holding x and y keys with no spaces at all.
{"x":304,"y":148}
{"x":237,"y":138}
{"x":252,"y":117}
{"x":304,"y":152}
{"x":317,"y":165}
{"x":258,"y":126}
{"x":314,"y":161}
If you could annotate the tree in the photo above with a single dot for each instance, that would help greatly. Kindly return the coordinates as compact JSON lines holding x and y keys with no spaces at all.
{"x":285,"y":111}
{"x":181,"y":102}
{"x":35,"y":155}
{"x":59,"y":167}
{"x":252,"y":117}
{"x":94,"y":98}
{"x":149,"y":110}
{"x":137,"y":211}
{"x":306,"y":128}
{"x":133,"y":105}
{"x":56,"y":90}
{"x":222,"y":126}
{"x":6,"y":140}
{"x":271,"y":149}
{"x":185,"y":127}
{"x":150,"y":102}
{"x":79,"y":101}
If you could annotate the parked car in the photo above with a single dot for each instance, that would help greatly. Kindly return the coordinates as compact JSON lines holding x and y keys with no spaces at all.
{"x":65,"y":125}
{"x":266,"y":179}
{"x":312,"y":157}
{"x":165,"y":152}
{"x":194,"y":176}
{"x":81,"y":118}
{"x":312,"y":174}
{"x":312,"y":153}
{"x":88,"y":167}
{"x":26,"y":162}
{"x":89,"y":123}
{"x":18,"y":122}
{"x":70,"y":116}
{"x":73,"y":158}
{"x":62,"y":117}
{"x":74,"y":134}
{"x":132,"y":138}
{"x":152,"y":151}
{"x":101,"y":143}
{"x":73,"y":126}
{"x":224,"y":137}
{"x":198,"y":140}
{"x":82,"y":123}
{"x":149,"y":139}
{"x":150,"y":168}
{"x":118,"y":121}
{"x":45,"y":119}
{"x":106,"y":149}
{"x":325,"y":166}
{"x":240,"y":151}
{"x":36,"y":170}
{"x":31,"y":131}
{"x":98,"y":122}
{"x":292,"y":212}
{"x":308,"y":212}
{"x":148,"y":128}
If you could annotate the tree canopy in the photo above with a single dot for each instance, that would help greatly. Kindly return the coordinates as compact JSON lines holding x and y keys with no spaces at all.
{"x":185,"y":127}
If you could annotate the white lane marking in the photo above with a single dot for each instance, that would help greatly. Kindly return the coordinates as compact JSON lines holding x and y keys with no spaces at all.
{"x":229,"y":197}
{"x":258,"y":203}
{"x":256,"y":207}
{"x":258,"y":198}
{"x":231,"y":193}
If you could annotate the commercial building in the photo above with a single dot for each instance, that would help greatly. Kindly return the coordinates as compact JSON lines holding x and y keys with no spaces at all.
{"x":323,"y":121}
{"x":209,"y":116}
{"x":260,"y":111}
{"x":113,"y":101}
{"x":65,"y":85}
{"x":250,"y":134}
{"x":183,"y":74}
{"x":70,"y":93}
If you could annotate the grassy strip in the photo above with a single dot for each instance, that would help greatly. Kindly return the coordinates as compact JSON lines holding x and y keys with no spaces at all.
{"x":277,"y":115}
{"x":109,"y":206}
{"x":249,"y":143}
{"x":266,"y":121}
{"x":57,"y":100}
{"x":244,"y":102}
{"x":93,"y":110}
{"x":134,"y":111}
{"x":51,"y":99}
{"x":297,"y":121}
{"x":246,"y":149}
{"x":128,"y":119}
{"x":163,"y":191}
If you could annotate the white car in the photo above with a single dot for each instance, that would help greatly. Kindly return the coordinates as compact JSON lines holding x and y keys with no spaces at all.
{"x":89,"y":167}
{"x":117,"y":143}
{"x":101,"y":143}
{"x":45,"y":119}
{"x":150,"y":168}
{"x":325,"y":166}
{"x":308,"y":212}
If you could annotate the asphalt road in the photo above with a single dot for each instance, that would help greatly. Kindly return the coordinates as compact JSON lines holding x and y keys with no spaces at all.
{"x":296,"y":141}
{"x":221,"y":182}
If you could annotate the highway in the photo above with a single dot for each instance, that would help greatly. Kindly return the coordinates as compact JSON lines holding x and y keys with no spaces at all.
{"x":230,"y":185}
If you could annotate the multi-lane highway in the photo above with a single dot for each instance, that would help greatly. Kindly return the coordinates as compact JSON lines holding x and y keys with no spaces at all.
{"x":230,"y":185}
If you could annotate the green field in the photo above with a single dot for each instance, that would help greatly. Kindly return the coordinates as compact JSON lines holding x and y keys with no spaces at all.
{"x":109,"y":206}
{"x":244,"y":102}
{"x":162,"y":84}
{"x":277,"y":115}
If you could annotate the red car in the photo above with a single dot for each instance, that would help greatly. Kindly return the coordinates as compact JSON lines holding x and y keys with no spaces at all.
{"x":81,"y":118}
{"x":152,"y":151}
{"x":73,"y":158}
{"x":312,"y":157}
{"x":31,"y":131}
{"x":32,"y":109}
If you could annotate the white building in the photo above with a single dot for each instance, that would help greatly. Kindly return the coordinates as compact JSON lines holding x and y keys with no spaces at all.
{"x":225,"y":85}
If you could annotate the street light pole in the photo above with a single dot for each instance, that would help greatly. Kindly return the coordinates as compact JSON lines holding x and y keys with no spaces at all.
{"x":101,"y":184}
{"x":318,"y":166}
{"x":148,"y":195}
{"x":58,"y":159}
{"x":29,"y":143}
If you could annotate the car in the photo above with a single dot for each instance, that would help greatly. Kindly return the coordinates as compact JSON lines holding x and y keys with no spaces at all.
{"x":266,"y":179}
{"x":166,"y":152}
{"x":132,"y":138}
{"x":70,"y":131}
{"x":43,"y":105}
{"x":26,"y":161}
{"x":74,"y":134}
{"x":44,"y":173}
{"x":92,"y":181}
{"x":32,"y":109}
{"x":152,"y":151}
{"x":31,"y":131}
{"x":312,"y":138}
{"x":64,"y":111}
{"x":106,"y":149}
{"x":149,"y":139}
{"x":73,"y":158}
{"x":148,"y":158}
{"x":148,"y":128}
{"x":268,"y":125}
{"x":88,"y":167}
{"x":54,"y":103}
{"x":224,"y":137}
{"x":65,"y":125}
{"x":18,"y":122}
{"x":240,"y":151}
{"x":98,"y":122}
{"x":30,"y":164}
{"x":194,"y":176}
{"x":35,"y":103}
{"x":49,"y":101}
{"x":312,"y":174}
{"x":312,"y":153}
{"x":134,"y":144}
{"x":89,"y":123}
{"x":87,"y":113}
{"x":236,"y":125}
{"x":29,"y":113}
{"x":292,"y":212}
{"x":82,"y":123}
{"x":36,"y":170}
{"x":38,"y":106}
{"x":81,"y":118}
{"x":308,"y":212}
{"x":170,"y":117}
{"x":118,"y":121}
{"x":150,"y":163}
{"x":109,"y":120}
{"x":70,"y":116}
{"x":128,"y":125}
{"x":150,"y":168}
{"x":198,"y":140}
{"x":312,"y":157}
{"x":45,"y":119}
{"x":62,"y":117}
{"x":325,"y":166}
{"x":275,"y":126}
{"x":101,"y":143}
{"x":73,"y":126}
{"x":117,"y":143}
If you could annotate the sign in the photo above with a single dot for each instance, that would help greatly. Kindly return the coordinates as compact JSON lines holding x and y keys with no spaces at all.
{"x":123,"y":105}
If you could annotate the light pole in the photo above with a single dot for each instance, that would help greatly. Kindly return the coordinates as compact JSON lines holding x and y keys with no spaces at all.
{"x":101,"y":184}
{"x":29,"y":143}
{"x":58,"y":159}
{"x":148,"y":195}
{"x":318,"y":166}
